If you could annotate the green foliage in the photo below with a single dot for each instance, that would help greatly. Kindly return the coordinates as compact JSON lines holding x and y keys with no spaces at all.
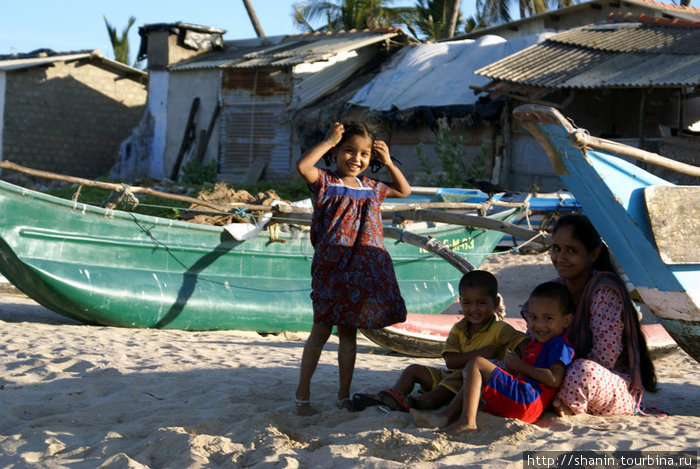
{"x":86,"y":194}
{"x":348,"y":14}
{"x":478,"y":168}
{"x":195,"y":173}
{"x":451,"y":153}
{"x":430,"y":18}
{"x":120,"y":44}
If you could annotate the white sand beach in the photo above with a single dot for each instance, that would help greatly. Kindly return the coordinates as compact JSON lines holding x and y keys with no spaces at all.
{"x":78,"y":396}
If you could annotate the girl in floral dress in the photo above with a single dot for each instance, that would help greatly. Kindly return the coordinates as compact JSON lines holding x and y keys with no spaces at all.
{"x":613,"y":366}
{"x":352,"y":276}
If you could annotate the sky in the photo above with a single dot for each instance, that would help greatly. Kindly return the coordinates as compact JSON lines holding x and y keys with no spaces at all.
{"x":71,"y":25}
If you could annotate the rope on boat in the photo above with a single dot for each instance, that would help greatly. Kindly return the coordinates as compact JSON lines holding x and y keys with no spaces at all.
{"x":582,"y":137}
{"x":243,"y":213}
{"x":125,"y":198}
{"x":540,"y":234}
{"x":76,"y":195}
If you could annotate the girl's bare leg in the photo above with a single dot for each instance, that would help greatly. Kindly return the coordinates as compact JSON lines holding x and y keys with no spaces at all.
{"x":476,"y":373}
{"x":347,"y":351}
{"x":309,"y":359}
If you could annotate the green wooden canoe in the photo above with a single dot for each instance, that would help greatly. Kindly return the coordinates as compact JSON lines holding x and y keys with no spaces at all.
{"x":122,"y":269}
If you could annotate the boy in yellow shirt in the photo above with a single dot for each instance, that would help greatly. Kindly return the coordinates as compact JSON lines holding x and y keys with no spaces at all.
{"x":479,"y":334}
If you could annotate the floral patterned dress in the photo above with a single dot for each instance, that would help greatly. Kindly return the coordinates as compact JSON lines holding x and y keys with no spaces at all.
{"x":352,"y":275}
{"x":599,"y":385}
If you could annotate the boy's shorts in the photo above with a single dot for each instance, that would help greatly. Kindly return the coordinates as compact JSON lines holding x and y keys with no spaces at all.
{"x":509,"y":397}
{"x":448,"y":379}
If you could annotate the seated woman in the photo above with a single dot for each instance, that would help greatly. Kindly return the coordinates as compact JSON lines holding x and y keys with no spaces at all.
{"x":613,"y":366}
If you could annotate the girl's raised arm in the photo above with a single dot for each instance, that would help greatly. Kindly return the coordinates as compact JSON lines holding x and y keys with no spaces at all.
{"x":399,"y":185}
{"x":306,"y":164}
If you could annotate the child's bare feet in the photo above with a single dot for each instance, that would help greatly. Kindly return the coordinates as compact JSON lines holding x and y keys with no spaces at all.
{"x":458,"y":428}
{"x":560,"y":408}
{"x":428,"y":419}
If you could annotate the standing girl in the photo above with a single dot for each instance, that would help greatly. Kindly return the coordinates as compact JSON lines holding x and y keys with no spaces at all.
{"x":352,"y":276}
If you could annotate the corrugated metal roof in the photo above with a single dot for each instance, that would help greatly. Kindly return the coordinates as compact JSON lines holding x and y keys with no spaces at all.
{"x":29,"y":62}
{"x":633,"y":37}
{"x":16,"y":64}
{"x":292,"y":50}
{"x":659,"y":9}
{"x":606,"y":55}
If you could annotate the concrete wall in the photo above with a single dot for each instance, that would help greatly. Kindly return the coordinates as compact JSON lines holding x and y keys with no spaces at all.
{"x":69,"y":118}
{"x":183,"y":87}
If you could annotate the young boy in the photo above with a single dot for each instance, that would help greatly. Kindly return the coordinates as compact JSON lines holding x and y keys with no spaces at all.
{"x":478,"y":334}
{"x":529,"y":385}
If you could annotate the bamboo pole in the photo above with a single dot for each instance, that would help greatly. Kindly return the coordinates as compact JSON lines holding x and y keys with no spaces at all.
{"x":584,"y":140}
{"x":284,"y":209}
{"x":113,"y":186}
{"x":453,"y":205}
{"x":476,"y":221}
{"x":432,"y":245}
{"x":405,"y":236}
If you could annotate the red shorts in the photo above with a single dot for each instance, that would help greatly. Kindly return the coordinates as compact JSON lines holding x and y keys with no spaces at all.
{"x":508,"y":396}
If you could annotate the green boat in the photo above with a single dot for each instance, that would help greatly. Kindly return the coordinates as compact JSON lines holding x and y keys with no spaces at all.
{"x":122,"y":269}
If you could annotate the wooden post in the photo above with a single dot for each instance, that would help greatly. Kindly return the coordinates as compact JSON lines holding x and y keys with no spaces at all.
{"x":187,"y":139}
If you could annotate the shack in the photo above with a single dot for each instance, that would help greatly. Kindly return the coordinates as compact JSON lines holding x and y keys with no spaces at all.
{"x":230,"y":103}
{"x":67,"y":112}
{"x":633,"y":79}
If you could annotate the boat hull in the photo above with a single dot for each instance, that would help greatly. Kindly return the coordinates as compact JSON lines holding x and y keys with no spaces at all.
{"x":128,"y":270}
{"x":424,"y":335}
{"x":612,"y":193}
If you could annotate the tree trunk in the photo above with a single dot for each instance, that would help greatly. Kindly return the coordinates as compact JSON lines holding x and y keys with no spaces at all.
{"x":253,"y":18}
{"x":451,"y":20}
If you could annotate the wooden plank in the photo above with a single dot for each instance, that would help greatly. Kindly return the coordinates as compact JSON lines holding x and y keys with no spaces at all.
{"x":674,"y":216}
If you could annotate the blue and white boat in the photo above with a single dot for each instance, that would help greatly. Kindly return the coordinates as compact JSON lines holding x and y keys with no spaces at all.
{"x":651,"y":226}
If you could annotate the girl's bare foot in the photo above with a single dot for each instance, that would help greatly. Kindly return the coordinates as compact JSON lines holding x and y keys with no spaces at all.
{"x":560,"y":408}
{"x":458,"y":428}
{"x":428,"y":419}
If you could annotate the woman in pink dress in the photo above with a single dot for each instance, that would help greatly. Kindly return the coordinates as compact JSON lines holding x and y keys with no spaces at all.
{"x":352,"y":276}
{"x":613,"y":366}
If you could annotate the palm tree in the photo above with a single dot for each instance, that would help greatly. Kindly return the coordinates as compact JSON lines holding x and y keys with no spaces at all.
{"x":348,"y":14}
{"x":120,"y":45}
{"x":432,"y":19}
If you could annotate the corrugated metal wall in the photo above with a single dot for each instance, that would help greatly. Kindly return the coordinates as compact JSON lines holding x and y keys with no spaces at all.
{"x":253,"y":127}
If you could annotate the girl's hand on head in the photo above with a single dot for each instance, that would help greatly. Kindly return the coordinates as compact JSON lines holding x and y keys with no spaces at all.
{"x":335,"y":133}
{"x":382,"y":150}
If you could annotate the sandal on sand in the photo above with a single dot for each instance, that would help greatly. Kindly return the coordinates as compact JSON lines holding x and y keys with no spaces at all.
{"x":361,"y":400}
{"x":395,"y":400}
{"x":345,"y":403}
{"x":303,"y":407}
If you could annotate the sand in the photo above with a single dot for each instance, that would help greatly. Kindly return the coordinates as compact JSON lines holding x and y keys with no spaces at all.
{"x":79,"y":396}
